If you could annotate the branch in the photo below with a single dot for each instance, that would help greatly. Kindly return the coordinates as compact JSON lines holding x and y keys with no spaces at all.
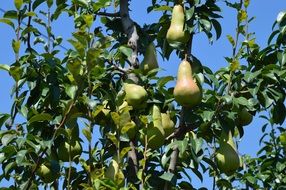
{"x":117,"y":14}
{"x":130,"y":30}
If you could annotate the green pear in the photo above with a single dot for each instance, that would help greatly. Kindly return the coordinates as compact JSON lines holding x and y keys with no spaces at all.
{"x":167,"y":124}
{"x":74,"y":149}
{"x":48,"y":171}
{"x":136,"y":96}
{"x":150,"y":59}
{"x":227,"y":158}
{"x":244,"y":117}
{"x":282,"y":138}
{"x":176,"y":36}
{"x":187,"y":92}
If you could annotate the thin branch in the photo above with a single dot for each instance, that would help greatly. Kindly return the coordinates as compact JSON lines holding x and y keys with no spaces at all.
{"x":28,"y":26}
{"x":117,"y":14}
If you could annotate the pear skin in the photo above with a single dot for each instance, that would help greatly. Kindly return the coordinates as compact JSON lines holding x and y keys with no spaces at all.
{"x":187,"y":93}
{"x":168,"y":124}
{"x":136,"y":96}
{"x":227,"y":158}
{"x":176,"y":36}
{"x":150,"y":59}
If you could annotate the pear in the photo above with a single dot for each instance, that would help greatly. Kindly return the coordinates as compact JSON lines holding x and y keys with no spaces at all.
{"x":167,"y":124}
{"x":176,"y":36}
{"x":244,"y":117}
{"x":154,"y":132}
{"x":136,"y":96}
{"x":187,"y":92}
{"x":150,"y":59}
{"x":227,"y":158}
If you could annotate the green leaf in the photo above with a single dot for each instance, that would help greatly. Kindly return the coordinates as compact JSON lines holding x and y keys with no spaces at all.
{"x":7,"y":138}
{"x":217,"y":28}
{"x":246,"y":3}
{"x":206,"y":24}
{"x":231,"y":40}
{"x":12,"y":14}
{"x":71,"y":90}
{"x":21,"y":156}
{"x":16,"y":45}
{"x":242,"y":15}
{"x":15,"y":72}
{"x":50,"y":3}
{"x":163,"y":8}
{"x":86,"y":132}
{"x":234,"y":65}
{"x":3,"y":118}
{"x":41,"y":117}
{"x":127,"y":51}
{"x":189,"y":13}
{"x":88,"y":19}
{"x":18,"y":4}
{"x":170,"y":177}
{"x":7,"y":21}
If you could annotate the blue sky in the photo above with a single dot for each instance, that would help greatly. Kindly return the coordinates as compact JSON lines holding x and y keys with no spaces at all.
{"x":265,"y":13}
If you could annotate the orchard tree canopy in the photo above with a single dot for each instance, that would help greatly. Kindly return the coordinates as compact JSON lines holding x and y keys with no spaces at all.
{"x":100,"y":115}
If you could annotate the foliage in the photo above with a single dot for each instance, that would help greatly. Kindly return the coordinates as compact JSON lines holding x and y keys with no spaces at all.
{"x":77,"y":96}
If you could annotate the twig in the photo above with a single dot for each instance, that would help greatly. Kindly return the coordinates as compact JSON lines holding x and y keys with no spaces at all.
{"x":117,"y":14}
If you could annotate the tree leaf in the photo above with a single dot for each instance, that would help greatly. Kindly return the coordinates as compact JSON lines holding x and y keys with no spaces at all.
{"x":7,"y":21}
{"x":217,"y":28}
{"x":40,"y":117}
{"x":18,"y":4}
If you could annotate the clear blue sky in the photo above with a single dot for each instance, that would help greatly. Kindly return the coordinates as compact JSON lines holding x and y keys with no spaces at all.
{"x":212,"y":56}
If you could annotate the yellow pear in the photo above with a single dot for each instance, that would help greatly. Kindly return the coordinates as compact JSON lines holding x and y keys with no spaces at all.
{"x":227,"y":158}
{"x":176,"y":36}
{"x":167,"y":124}
{"x":150,"y":59}
{"x":187,"y":92}
{"x":136,"y":96}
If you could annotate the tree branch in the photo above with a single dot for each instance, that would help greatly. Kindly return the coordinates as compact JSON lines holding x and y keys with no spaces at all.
{"x":117,"y":14}
{"x":131,"y":32}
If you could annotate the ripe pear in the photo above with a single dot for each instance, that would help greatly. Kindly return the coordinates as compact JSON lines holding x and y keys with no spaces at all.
{"x":114,"y":173}
{"x":176,"y":36}
{"x":150,"y":59}
{"x":244,"y":117}
{"x":155,"y":132}
{"x":227,"y":158}
{"x":65,"y":149}
{"x":136,"y":96}
{"x":187,"y":92}
{"x":167,"y":124}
